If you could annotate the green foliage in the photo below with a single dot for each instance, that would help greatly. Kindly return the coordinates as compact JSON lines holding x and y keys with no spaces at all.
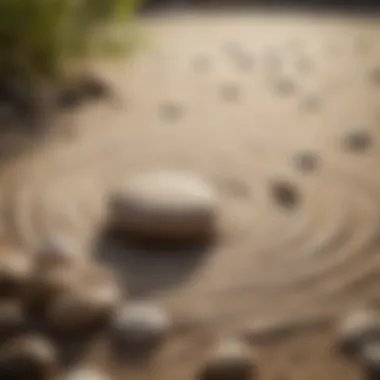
{"x":39,"y":37}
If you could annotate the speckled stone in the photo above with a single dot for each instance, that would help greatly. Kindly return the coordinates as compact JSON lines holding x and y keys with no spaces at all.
{"x":142,"y":325}
{"x":231,"y":360}
{"x":357,"y":328}
{"x":165,"y":204}
{"x":32,"y":358}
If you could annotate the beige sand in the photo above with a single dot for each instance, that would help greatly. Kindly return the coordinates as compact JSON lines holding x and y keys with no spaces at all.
{"x":270,"y":265}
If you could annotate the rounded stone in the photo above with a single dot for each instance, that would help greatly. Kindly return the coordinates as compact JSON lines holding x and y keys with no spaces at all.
{"x":307,"y":161}
{"x":32,"y":358}
{"x":82,"y":308}
{"x":370,"y":359}
{"x":357,"y":141}
{"x":285,"y":194}
{"x":141,"y":325}
{"x":48,"y":284}
{"x":15,"y":272}
{"x":86,"y":374}
{"x":12,"y":320}
{"x":231,"y":360}
{"x":58,"y":250}
{"x":357,"y":328}
{"x":166,"y":204}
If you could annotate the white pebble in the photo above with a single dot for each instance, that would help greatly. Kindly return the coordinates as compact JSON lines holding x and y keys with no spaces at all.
{"x":165,"y":205}
{"x":143,"y":324}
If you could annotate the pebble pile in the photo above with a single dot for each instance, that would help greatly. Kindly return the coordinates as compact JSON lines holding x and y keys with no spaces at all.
{"x":68,"y":295}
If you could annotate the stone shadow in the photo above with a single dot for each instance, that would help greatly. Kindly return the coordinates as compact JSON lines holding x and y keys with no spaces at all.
{"x":144,"y":267}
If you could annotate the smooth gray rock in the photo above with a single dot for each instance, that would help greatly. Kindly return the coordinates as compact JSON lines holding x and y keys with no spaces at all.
{"x":165,"y":204}
{"x":140,"y":325}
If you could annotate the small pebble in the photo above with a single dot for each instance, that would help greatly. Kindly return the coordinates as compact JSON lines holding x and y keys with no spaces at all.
{"x":86,"y":374}
{"x":357,"y":141}
{"x":15,"y":272}
{"x":312,"y":103}
{"x":93,"y":87}
{"x":28,"y":358}
{"x":285,"y":194}
{"x":48,"y":284}
{"x":12,"y":320}
{"x":171,"y":111}
{"x":375,"y":75}
{"x":285,"y":86}
{"x":80,"y":90}
{"x":357,"y":328}
{"x":82,"y":309}
{"x":370,"y":360}
{"x":57,"y":251}
{"x":232,"y":360}
{"x":141,"y":325}
{"x":165,"y":205}
{"x":306,"y":161}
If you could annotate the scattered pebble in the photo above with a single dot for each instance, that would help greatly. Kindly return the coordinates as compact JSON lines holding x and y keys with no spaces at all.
{"x":285,"y":86}
{"x":141,"y":325}
{"x":93,"y":87}
{"x":12,"y":320}
{"x":171,"y":111}
{"x":15,"y":272}
{"x":82,"y":309}
{"x":31,"y":358}
{"x":86,"y":374}
{"x":81,"y":89}
{"x":357,"y":141}
{"x":312,"y":103}
{"x":375,"y":75}
{"x":170,"y":205}
{"x":306,"y":161}
{"x":48,"y":284}
{"x":232,"y":360}
{"x":285,"y":194}
{"x":357,"y":328}
{"x":370,"y":359}
{"x":57,"y":251}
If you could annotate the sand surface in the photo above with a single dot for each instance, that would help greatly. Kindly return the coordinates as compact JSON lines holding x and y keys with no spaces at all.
{"x":238,"y":98}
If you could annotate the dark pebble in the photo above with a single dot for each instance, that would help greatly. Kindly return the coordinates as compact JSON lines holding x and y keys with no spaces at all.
{"x":29,"y":358}
{"x":357,"y":142}
{"x":356,"y":329}
{"x":370,"y":360}
{"x":230,"y":361}
{"x":306,"y":162}
{"x":285,"y":194}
